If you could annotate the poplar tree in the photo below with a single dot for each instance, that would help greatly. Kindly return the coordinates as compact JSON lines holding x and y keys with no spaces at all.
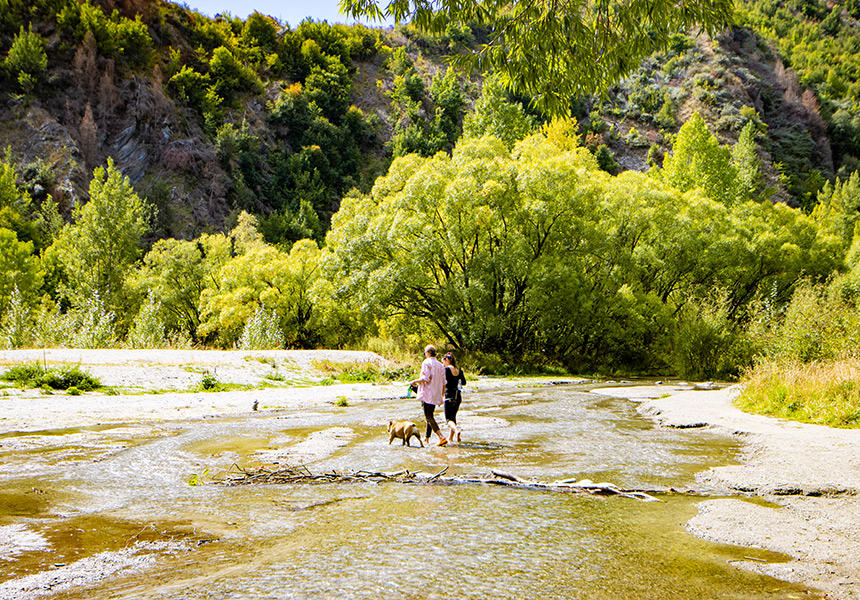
{"x":102,"y":244}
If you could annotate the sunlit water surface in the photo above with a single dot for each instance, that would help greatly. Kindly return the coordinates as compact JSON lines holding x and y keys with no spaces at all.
{"x":108,"y":488}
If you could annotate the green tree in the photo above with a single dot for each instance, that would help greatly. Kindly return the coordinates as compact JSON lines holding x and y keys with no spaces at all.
{"x":496,"y":115}
{"x":747,"y":163}
{"x":260,"y":30}
{"x":264,"y":278}
{"x":699,"y":161}
{"x":535,"y":249}
{"x":20,"y":271}
{"x":99,"y":248}
{"x":448,"y":97}
{"x":555,"y":51}
{"x":231,"y":76}
{"x":838,"y":208}
{"x":16,"y":204}
{"x":176,"y":272}
{"x":27,"y":59}
{"x":465,"y":241}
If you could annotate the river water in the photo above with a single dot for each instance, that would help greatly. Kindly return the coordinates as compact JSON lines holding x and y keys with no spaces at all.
{"x":109,"y":511}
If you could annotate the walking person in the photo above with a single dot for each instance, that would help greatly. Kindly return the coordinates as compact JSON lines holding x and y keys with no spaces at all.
{"x":431,"y":390}
{"x":454,"y":380}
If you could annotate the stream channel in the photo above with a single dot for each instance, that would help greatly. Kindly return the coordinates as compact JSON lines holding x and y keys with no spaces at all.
{"x":108,"y":511}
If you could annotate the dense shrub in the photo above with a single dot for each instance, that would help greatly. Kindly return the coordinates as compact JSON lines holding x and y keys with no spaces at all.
{"x":27,"y":60}
{"x":62,"y":378}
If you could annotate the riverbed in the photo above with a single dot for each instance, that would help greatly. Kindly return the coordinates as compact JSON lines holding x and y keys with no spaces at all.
{"x":114,"y":496}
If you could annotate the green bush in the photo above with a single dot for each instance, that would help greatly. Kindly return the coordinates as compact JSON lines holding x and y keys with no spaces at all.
{"x":115,"y":35}
{"x":605,"y":159}
{"x":209,"y":383}
{"x":27,"y":60}
{"x":363,"y":372}
{"x":231,"y":76}
{"x":816,"y":326}
{"x":707,"y":344}
{"x":34,"y":375}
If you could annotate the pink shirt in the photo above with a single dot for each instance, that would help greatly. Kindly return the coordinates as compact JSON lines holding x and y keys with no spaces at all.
{"x":434,"y":372}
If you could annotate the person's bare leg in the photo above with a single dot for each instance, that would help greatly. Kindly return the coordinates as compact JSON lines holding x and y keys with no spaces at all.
{"x":454,"y":432}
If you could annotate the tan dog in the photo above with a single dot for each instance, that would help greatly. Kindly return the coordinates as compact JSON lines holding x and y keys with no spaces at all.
{"x":403,"y":430}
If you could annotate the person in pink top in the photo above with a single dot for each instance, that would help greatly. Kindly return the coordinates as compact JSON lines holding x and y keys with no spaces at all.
{"x":431,"y":391}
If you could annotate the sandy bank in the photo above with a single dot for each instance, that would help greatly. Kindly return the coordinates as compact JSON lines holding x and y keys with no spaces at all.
{"x":155,"y":385}
{"x":810,"y":473}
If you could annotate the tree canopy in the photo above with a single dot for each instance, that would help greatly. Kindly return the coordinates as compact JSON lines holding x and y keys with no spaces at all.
{"x":553,"y":49}
{"x":534,"y":249}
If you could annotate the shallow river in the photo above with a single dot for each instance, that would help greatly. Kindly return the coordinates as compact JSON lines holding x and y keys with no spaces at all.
{"x":108,"y":512}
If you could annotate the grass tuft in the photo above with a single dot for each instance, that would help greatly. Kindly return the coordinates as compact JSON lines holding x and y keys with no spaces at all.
{"x":824,"y":393}
{"x":34,"y":375}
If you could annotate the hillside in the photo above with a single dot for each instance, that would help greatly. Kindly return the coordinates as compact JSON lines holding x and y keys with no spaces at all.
{"x":212,"y":116}
{"x":207,"y":117}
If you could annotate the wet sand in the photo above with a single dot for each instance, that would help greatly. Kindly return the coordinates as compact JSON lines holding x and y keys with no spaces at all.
{"x":809,"y":476}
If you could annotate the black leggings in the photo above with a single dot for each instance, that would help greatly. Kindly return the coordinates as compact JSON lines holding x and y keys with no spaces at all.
{"x":452,"y":405}
{"x":431,"y":420}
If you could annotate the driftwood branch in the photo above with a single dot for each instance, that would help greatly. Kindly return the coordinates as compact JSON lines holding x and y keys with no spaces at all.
{"x":300,"y":474}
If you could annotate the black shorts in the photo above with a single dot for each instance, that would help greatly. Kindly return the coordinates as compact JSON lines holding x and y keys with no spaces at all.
{"x":452,"y":405}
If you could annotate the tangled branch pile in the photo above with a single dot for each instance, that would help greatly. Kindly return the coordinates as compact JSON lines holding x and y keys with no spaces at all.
{"x":301,"y":474}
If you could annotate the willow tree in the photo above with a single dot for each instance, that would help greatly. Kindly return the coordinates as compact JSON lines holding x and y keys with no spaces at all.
{"x":469,"y":242}
{"x":555,"y":49}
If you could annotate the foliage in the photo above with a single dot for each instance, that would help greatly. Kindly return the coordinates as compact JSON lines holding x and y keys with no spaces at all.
{"x":698,"y":161}
{"x":495,"y":114}
{"x":363,"y":371}
{"x":34,"y":375}
{"x":815,"y":325}
{"x":20,"y":271}
{"x":265,"y":277}
{"x":230,"y":76}
{"x":747,"y":164}
{"x":707,"y":343}
{"x":99,"y":248}
{"x":26,"y":59}
{"x":838,"y":207}
{"x":526,"y":37}
{"x":194,"y":90}
{"x":605,"y":159}
{"x":417,"y":130}
{"x":825,"y":393}
{"x":262,"y":331}
{"x":176,"y":272}
{"x":115,"y":35}
{"x":16,"y":322}
{"x":535,"y":249}
{"x":89,"y":323}
{"x":17,"y":212}
{"x":821,"y":47}
{"x":147,"y":328}
{"x":210,"y":383}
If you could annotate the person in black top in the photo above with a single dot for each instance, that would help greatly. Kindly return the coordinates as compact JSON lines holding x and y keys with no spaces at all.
{"x":454,"y":380}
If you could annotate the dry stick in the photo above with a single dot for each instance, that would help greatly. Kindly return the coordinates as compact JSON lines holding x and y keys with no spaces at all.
{"x":303,"y":475}
{"x":438,"y":475}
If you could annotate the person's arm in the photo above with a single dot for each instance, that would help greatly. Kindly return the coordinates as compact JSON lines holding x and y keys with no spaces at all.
{"x":426,"y":374}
